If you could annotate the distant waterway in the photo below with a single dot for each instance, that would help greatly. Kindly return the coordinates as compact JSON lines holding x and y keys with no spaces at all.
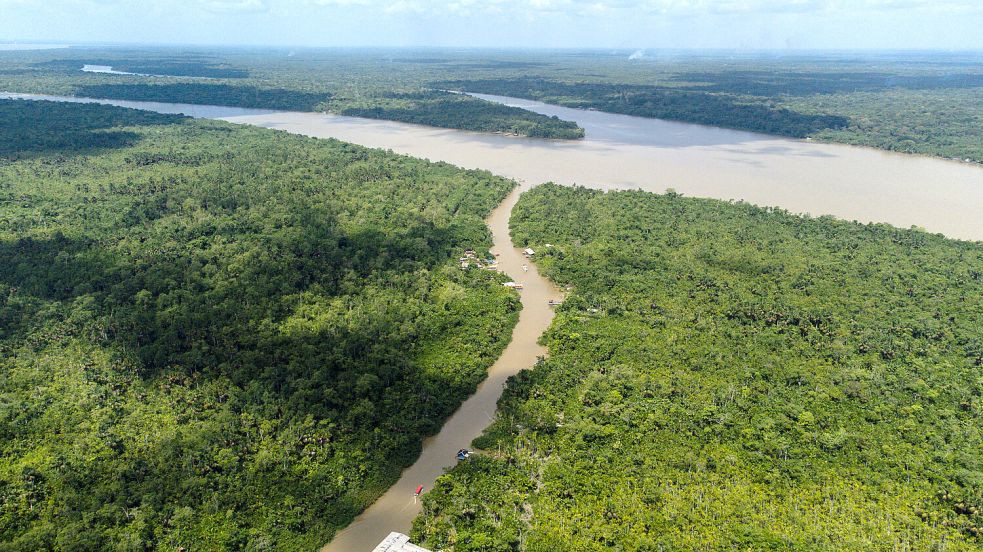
{"x":108,"y":70}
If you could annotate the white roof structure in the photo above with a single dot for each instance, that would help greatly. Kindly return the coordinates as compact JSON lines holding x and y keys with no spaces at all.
{"x":397,"y":542}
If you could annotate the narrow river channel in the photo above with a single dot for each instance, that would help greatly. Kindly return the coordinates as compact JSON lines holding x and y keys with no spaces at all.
{"x":395,"y":510}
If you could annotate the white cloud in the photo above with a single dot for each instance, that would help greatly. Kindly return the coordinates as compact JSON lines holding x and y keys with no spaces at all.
{"x":524,"y":7}
{"x":628,"y":24}
{"x":621,"y":8}
{"x":343,"y":3}
{"x":232,"y":6}
{"x":405,"y":6}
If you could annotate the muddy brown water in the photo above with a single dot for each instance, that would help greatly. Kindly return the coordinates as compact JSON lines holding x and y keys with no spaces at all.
{"x":622,"y":152}
{"x":395,"y":510}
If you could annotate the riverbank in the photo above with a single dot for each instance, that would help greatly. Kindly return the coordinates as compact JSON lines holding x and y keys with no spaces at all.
{"x":395,"y":510}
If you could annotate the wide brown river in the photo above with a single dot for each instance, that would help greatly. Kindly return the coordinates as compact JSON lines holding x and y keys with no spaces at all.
{"x":620,"y":151}
{"x":623,"y":152}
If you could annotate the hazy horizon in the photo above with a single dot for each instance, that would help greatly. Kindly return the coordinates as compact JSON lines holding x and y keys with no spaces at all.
{"x":54,"y":45}
{"x":744,"y":25}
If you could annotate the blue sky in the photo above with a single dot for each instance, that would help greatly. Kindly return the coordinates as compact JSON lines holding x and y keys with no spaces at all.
{"x":742,"y":24}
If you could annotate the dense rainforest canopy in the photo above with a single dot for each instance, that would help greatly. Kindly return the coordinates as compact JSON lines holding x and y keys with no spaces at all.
{"x":912,"y":102}
{"x":445,"y":109}
{"x":194,"y":78}
{"x":724,"y":377}
{"x":207,"y":94}
{"x":218,"y":337}
{"x":926,"y":103}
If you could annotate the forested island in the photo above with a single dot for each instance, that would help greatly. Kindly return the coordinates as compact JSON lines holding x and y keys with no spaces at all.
{"x":725,"y":376}
{"x":217,"y":337}
{"x":448,"y":110}
{"x":660,"y":102}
